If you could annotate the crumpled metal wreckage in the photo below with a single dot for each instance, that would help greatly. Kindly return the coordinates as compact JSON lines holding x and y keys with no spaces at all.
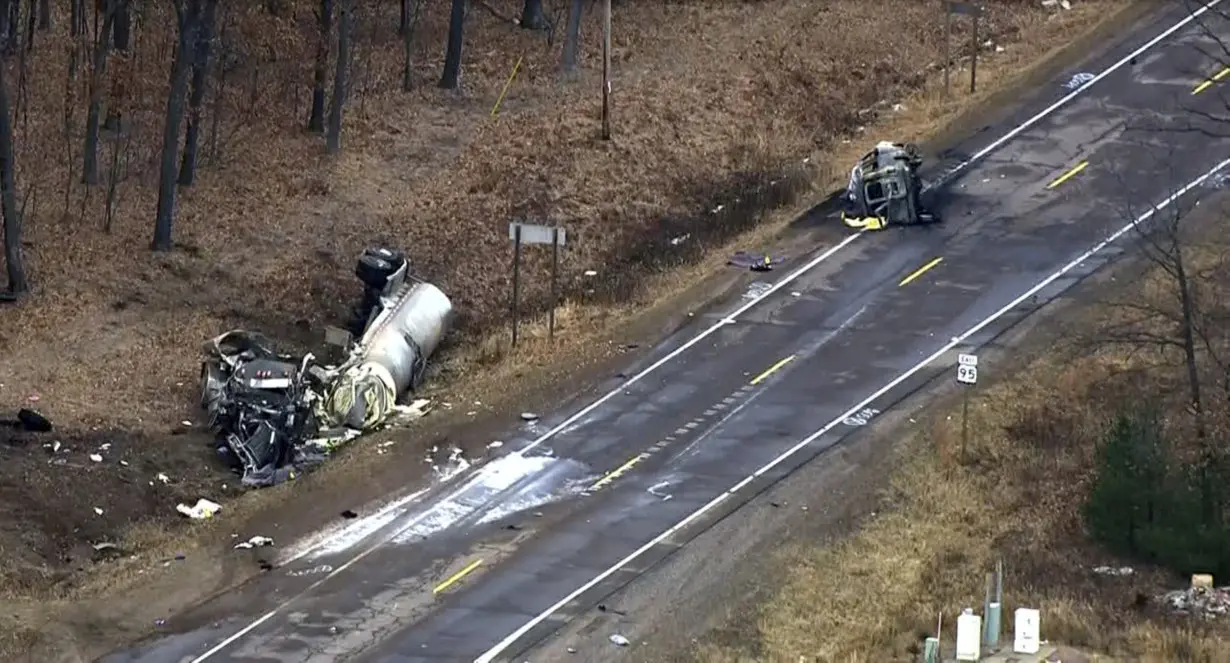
{"x":275,"y":414}
{"x":885,"y":189}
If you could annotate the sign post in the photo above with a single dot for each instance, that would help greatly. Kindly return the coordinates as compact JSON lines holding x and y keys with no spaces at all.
{"x":515,"y":230}
{"x":967,"y":376}
{"x":974,"y":11}
{"x":521,"y":233}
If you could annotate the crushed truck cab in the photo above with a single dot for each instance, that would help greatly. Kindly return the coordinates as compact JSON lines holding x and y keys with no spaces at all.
{"x":885,"y":189}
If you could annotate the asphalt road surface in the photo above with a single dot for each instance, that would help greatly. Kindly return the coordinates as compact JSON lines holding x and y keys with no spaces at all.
{"x":491,"y":564}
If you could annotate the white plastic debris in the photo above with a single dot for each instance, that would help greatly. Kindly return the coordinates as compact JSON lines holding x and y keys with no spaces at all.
{"x":105,"y":446}
{"x":1113,"y":570}
{"x":254,"y":542}
{"x":529,"y":416}
{"x":202,"y":509}
{"x":96,"y":458}
{"x":98,"y":511}
{"x":619,"y":640}
{"x":495,"y":445}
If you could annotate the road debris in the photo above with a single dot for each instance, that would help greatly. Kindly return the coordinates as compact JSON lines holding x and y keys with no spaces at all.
{"x":254,"y":542}
{"x":274,"y":413}
{"x":201,"y":510}
{"x":97,"y":458}
{"x":1113,"y":570}
{"x":757,"y":262}
{"x":619,"y":640}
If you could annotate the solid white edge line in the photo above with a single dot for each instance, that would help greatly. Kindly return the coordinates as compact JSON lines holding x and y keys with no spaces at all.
{"x":490,"y":654}
{"x":730,"y":318}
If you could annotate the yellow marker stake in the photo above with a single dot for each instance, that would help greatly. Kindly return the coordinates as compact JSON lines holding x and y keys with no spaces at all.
{"x":496,"y":107}
{"x":919,"y":272}
{"x":772,"y":369}
{"x":1068,"y":175}
{"x":453,"y":579}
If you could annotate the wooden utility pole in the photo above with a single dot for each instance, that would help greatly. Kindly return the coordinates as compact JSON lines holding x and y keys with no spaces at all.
{"x":606,"y":69}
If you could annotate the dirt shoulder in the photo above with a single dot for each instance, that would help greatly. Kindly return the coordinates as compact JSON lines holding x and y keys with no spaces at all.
{"x":112,"y":359}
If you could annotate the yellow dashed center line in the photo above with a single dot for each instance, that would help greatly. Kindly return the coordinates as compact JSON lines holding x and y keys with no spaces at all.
{"x":1068,"y":175}
{"x":1209,"y":83}
{"x":772,"y":369}
{"x":919,"y":272}
{"x":619,"y":471}
{"x":453,"y":579}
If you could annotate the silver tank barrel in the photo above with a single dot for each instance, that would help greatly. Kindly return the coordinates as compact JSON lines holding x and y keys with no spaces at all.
{"x":407,"y":331}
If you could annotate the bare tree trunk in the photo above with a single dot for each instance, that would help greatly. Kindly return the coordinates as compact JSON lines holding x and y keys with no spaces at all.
{"x":189,"y":18}
{"x":220,"y":90}
{"x":407,"y":37}
{"x":532,"y":17}
{"x":333,"y":141}
{"x":102,"y":48}
{"x":451,"y":77}
{"x":121,"y":29}
{"x":572,"y":36}
{"x":13,"y":261}
{"x":200,"y":73}
{"x":44,"y":14}
{"x":77,"y":27}
{"x":31,"y":24}
{"x":324,"y":19}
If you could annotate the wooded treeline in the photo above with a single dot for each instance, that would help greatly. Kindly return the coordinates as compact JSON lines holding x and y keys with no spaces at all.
{"x":209,"y":51}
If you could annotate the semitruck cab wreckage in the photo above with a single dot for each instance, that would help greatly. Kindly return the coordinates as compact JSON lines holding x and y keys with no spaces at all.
{"x":274,"y":414}
{"x":885,"y":189}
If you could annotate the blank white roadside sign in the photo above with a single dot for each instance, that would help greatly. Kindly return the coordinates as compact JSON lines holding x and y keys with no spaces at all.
{"x":1027,"y":632}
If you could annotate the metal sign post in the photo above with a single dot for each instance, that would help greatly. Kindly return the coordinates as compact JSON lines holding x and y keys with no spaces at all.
{"x":952,"y":7}
{"x":967,"y":375}
{"x":515,"y":230}
{"x":521,"y":233}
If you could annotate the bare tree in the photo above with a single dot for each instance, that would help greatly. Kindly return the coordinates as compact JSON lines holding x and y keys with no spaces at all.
{"x":1170,"y":317}
{"x":572,"y":36}
{"x":451,"y":77}
{"x":324,"y":21}
{"x":188,"y":18}
{"x":121,"y":27}
{"x":532,"y":16}
{"x":410,"y":11}
{"x":102,"y":48}
{"x":13,"y":261}
{"x":200,"y":73}
{"x":44,"y":14}
{"x":333,"y":142}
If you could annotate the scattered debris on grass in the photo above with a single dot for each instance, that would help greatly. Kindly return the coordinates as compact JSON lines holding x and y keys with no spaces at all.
{"x":199,"y":511}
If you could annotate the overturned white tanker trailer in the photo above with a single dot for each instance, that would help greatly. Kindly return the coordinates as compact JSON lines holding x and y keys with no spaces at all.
{"x":273,"y":414}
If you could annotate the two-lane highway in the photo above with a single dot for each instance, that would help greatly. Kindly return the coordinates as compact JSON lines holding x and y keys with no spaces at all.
{"x":726,"y":411}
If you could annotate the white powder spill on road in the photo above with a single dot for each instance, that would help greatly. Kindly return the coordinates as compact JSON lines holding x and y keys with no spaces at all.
{"x":340,"y":538}
{"x":479,"y":492}
{"x":538,"y":494}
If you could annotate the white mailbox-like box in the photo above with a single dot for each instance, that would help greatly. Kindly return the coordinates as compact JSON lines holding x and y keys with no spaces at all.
{"x":1027,"y":631}
{"x":969,"y":636}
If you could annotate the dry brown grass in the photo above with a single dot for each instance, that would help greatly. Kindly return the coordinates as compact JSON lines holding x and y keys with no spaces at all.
{"x":266,"y":235}
{"x":1013,"y":495}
